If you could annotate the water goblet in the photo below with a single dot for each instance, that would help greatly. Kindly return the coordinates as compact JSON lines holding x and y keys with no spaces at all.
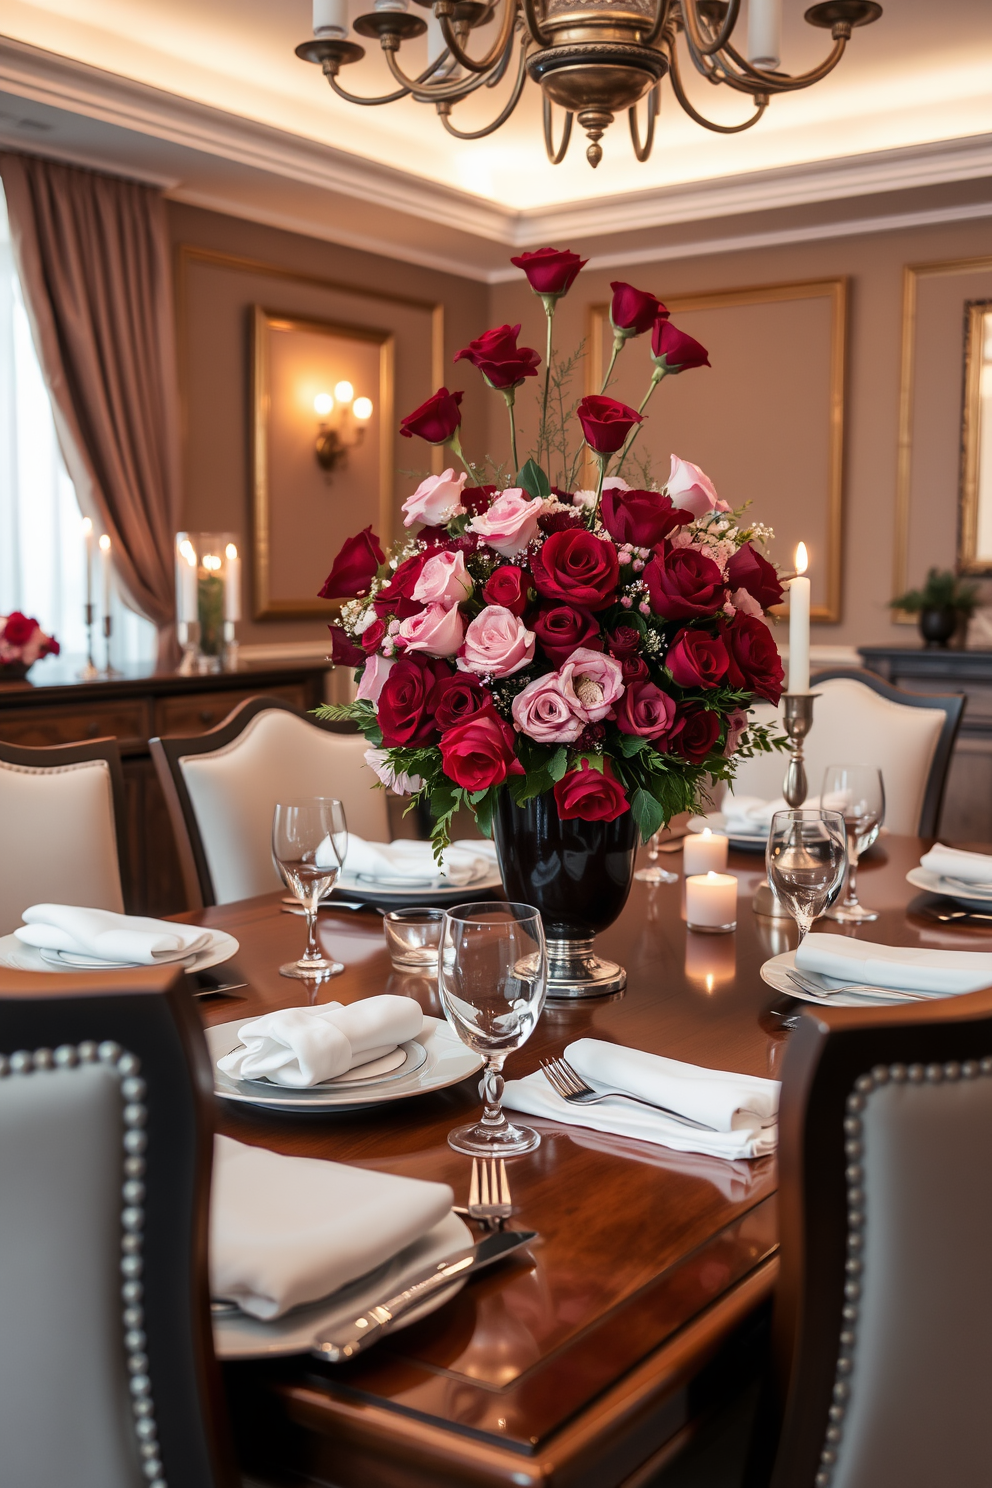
{"x":806,"y":858}
{"x":652,"y":874}
{"x":492,"y":980}
{"x":309,"y":843}
{"x":857,"y":792}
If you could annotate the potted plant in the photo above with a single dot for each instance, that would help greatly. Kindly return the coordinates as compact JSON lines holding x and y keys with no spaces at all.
{"x":22,"y":643}
{"x":943,"y":603}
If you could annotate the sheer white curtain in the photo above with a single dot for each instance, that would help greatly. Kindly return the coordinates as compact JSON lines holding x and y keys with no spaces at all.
{"x":42,"y":554}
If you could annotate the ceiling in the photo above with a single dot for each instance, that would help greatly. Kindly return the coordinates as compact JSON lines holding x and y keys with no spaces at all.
{"x":207,"y":97}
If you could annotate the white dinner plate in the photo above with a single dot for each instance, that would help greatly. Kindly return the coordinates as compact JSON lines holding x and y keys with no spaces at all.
{"x":440,"y":891}
{"x":21,"y":957}
{"x":443,"y":1060}
{"x":238,"y":1336}
{"x":775,"y":973}
{"x":974,"y":896}
{"x":717,"y":822}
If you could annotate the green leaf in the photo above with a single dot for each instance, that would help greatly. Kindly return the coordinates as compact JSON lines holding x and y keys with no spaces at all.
{"x":594,"y":761}
{"x":533,"y":480}
{"x":631,"y":744}
{"x":485,"y":806}
{"x":648,"y":813}
{"x":558,"y":764}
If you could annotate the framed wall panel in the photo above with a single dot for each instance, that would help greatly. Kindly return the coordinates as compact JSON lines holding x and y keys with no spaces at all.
{"x":975,"y":528}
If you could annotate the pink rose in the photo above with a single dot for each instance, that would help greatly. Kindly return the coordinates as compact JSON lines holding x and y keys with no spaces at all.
{"x":497,"y":643}
{"x":691,"y":490}
{"x":436,"y":500}
{"x":373,"y":679}
{"x":594,"y":681}
{"x":737,"y":722}
{"x":544,"y":712}
{"x":510,"y":523}
{"x":436,"y":631}
{"x":444,"y":579}
{"x":400,"y":784}
{"x":742,"y":600}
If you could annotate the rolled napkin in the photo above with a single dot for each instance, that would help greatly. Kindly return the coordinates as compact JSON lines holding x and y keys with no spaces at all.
{"x":901,"y":968}
{"x":110,"y":937}
{"x":289,"y":1230}
{"x":410,"y":862}
{"x":742,"y":1108}
{"x":301,"y":1046}
{"x":954,"y":862}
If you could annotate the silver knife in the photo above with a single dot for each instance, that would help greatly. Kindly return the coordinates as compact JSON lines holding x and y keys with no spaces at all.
{"x":350,"y":1339}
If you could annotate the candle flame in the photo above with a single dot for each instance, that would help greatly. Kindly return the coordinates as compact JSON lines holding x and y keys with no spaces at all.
{"x":706,"y":832}
{"x":710,"y":981}
{"x":712,"y":876}
{"x":188,"y":551}
{"x":87,"y":526}
{"x":104,"y":543}
{"x":802,"y":559}
{"x":211,"y":563}
{"x":231,"y":551}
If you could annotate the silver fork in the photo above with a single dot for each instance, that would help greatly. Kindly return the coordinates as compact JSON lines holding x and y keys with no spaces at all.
{"x":488,"y":1193}
{"x":885,"y":994}
{"x":569,"y":1084}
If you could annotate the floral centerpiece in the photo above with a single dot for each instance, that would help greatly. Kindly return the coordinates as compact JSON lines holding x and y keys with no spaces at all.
{"x":22,"y":643}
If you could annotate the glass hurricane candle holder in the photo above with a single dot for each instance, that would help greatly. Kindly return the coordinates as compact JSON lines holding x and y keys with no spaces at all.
{"x":208,"y":599}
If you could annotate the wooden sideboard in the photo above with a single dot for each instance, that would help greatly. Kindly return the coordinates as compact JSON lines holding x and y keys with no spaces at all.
{"x":133,"y":708}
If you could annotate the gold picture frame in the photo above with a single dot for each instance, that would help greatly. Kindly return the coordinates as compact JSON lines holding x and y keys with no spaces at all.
{"x":975,"y":520}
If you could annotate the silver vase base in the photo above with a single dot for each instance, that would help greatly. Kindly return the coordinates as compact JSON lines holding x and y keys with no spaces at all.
{"x":575,"y":971}
{"x":766,"y":903}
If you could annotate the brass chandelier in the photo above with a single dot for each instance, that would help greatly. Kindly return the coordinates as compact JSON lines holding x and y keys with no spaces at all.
{"x":593,"y":58}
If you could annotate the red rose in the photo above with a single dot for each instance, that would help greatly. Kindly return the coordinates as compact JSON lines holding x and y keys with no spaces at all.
{"x":755,"y":665}
{"x":633,"y":669}
{"x":624,"y":641}
{"x":396,"y":597}
{"x":501,"y":361}
{"x":642,"y":518}
{"x":436,"y":420}
{"x":507,"y":587}
{"x":634,"y":310}
{"x":605,"y":422}
{"x":344,"y":652}
{"x":645,"y":710}
{"x":51,"y":647}
{"x":561,"y":628}
{"x":748,"y":570}
{"x":457,"y":697}
{"x":560,"y":521}
{"x":684,"y":584}
{"x":589,"y":795}
{"x":478,"y":499}
{"x":694,"y":732}
{"x":373,"y":635}
{"x":577,"y":567}
{"x":19,"y":628}
{"x":696,"y":659}
{"x":403,"y":714}
{"x":673,"y":351}
{"x":479,"y":752}
{"x":550,"y":271}
{"x":355,"y":567}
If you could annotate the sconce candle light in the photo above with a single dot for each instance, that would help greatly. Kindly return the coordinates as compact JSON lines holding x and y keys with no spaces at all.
{"x":343,"y":420}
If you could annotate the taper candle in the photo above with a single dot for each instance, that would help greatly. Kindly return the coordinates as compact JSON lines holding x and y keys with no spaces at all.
{"x":764,"y":33}
{"x":88,"y":546}
{"x":232,"y":584}
{"x":799,"y":625}
{"x":105,"y":572}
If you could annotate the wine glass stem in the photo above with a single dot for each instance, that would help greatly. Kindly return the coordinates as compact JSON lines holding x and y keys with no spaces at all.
{"x":312,"y":952}
{"x":851,"y":897}
{"x":654,"y":848}
{"x":492,"y":1094}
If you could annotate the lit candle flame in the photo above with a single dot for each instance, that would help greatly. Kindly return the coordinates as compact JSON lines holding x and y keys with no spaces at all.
{"x":231,"y":551}
{"x":710,"y":981}
{"x":87,"y":526}
{"x":104,"y":543}
{"x":802,"y":559}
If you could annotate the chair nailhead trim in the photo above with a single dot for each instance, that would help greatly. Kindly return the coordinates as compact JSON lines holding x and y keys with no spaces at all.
{"x":857,"y":1102}
{"x":134,"y":1115}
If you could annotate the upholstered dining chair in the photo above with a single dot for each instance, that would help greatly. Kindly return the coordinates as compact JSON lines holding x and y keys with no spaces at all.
{"x":107,"y":1371}
{"x":859,"y":718}
{"x":222,"y":787}
{"x":62,"y":828}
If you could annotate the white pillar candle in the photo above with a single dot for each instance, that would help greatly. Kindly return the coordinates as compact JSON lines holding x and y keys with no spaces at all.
{"x":88,"y":546}
{"x":799,"y":625}
{"x":704,"y":852}
{"x":764,"y":33}
{"x":232,"y":584}
{"x":330,"y":18}
{"x":105,"y":571}
{"x":711,"y":901}
{"x":186,"y":574}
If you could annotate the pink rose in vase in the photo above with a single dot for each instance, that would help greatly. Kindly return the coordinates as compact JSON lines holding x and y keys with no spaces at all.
{"x":436,"y":500}
{"x":692,"y":490}
{"x":497,"y":644}
{"x":594,"y":680}
{"x":545,"y":713}
{"x":373,"y":679}
{"x":444,"y":579}
{"x":510,"y":523}
{"x":436,"y":631}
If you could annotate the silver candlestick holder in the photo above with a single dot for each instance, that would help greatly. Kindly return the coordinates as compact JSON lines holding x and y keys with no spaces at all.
{"x":109,"y":669}
{"x":90,"y":670}
{"x":797,"y":716}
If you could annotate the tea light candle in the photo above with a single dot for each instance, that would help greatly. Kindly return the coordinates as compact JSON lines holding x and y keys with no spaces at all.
{"x":711,"y":902}
{"x":704,"y":852}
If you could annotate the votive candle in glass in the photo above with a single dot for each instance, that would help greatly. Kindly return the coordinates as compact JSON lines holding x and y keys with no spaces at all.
{"x":704,"y":852}
{"x":711,"y":902}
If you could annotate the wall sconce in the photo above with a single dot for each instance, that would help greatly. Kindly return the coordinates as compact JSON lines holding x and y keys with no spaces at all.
{"x":343,"y":419}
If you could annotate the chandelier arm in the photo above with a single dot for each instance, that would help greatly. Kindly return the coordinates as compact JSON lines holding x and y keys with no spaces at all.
{"x":664,"y":9}
{"x":499,"y":72}
{"x":761,"y":103}
{"x":497,"y":49}
{"x":437,"y":92}
{"x":643,"y":152}
{"x":695,"y":31}
{"x":555,"y":156}
{"x":776,"y":82}
{"x":540,"y":38}
{"x":514,"y":99}
{"x":386,"y":97}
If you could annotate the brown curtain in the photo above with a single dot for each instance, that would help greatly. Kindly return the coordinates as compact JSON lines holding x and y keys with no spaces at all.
{"x":92,"y":253}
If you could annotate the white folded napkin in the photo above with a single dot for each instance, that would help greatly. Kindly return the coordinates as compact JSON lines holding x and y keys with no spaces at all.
{"x":408,"y":861}
{"x":289,"y":1230}
{"x":751,"y":816}
{"x":301,"y":1046}
{"x":742,"y":1108}
{"x":954,"y":862}
{"x":901,"y":968}
{"x":110,"y":937}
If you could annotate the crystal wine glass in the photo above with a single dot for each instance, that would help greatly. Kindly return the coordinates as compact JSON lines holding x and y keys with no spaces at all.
{"x":309,"y":843}
{"x":857,"y":792}
{"x":492,"y":979}
{"x":652,"y":874}
{"x":806,"y":857}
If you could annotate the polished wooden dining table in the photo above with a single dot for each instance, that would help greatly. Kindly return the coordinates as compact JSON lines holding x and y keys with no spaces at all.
{"x":589,"y":1360}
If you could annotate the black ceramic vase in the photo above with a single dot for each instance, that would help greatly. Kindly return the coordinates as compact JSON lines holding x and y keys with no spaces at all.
{"x":578,"y":874}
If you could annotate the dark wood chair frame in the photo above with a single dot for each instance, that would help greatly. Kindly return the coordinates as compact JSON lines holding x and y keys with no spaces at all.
{"x":54,"y":756}
{"x":952,"y":707}
{"x":150,"y":1013}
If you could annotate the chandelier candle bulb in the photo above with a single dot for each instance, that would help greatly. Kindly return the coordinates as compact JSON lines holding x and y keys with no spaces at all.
{"x":711,"y":902}
{"x":764,"y":34}
{"x":704,"y":852}
{"x":330,"y":18}
{"x":232,"y":584}
{"x":799,"y":625}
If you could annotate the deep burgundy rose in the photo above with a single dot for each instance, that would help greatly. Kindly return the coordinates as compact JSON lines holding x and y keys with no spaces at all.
{"x":684,"y":584}
{"x":501,"y":361}
{"x":590,"y":795}
{"x":643,"y":518}
{"x":507,"y":587}
{"x":550,"y":271}
{"x":436,"y":420}
{"x":697,"y":659}
{"x":624,"y":641}
{"x":457,"y":697}
{"x":396,"y":597}
{"x":355,"y":567}
{"x":605,"y":422}
{"x":373,"y":635}
{"x":479,"y":752}
{"x":673,"y":351}
{"x":560,"y":521}
{"x":577,"y":567}
{"x":755,"y":665}
{"x":694,"y":732}
{"x":561,"y":628}
{"x":344,"y":652}
{"x":19,"y":628}
{"x":403,"y":712}
{"x":634,"y":310}
{"x":477,"y":499}
{"x":633,"y":669}
{"x":748,"y":570}
{"x":645,"y":710}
